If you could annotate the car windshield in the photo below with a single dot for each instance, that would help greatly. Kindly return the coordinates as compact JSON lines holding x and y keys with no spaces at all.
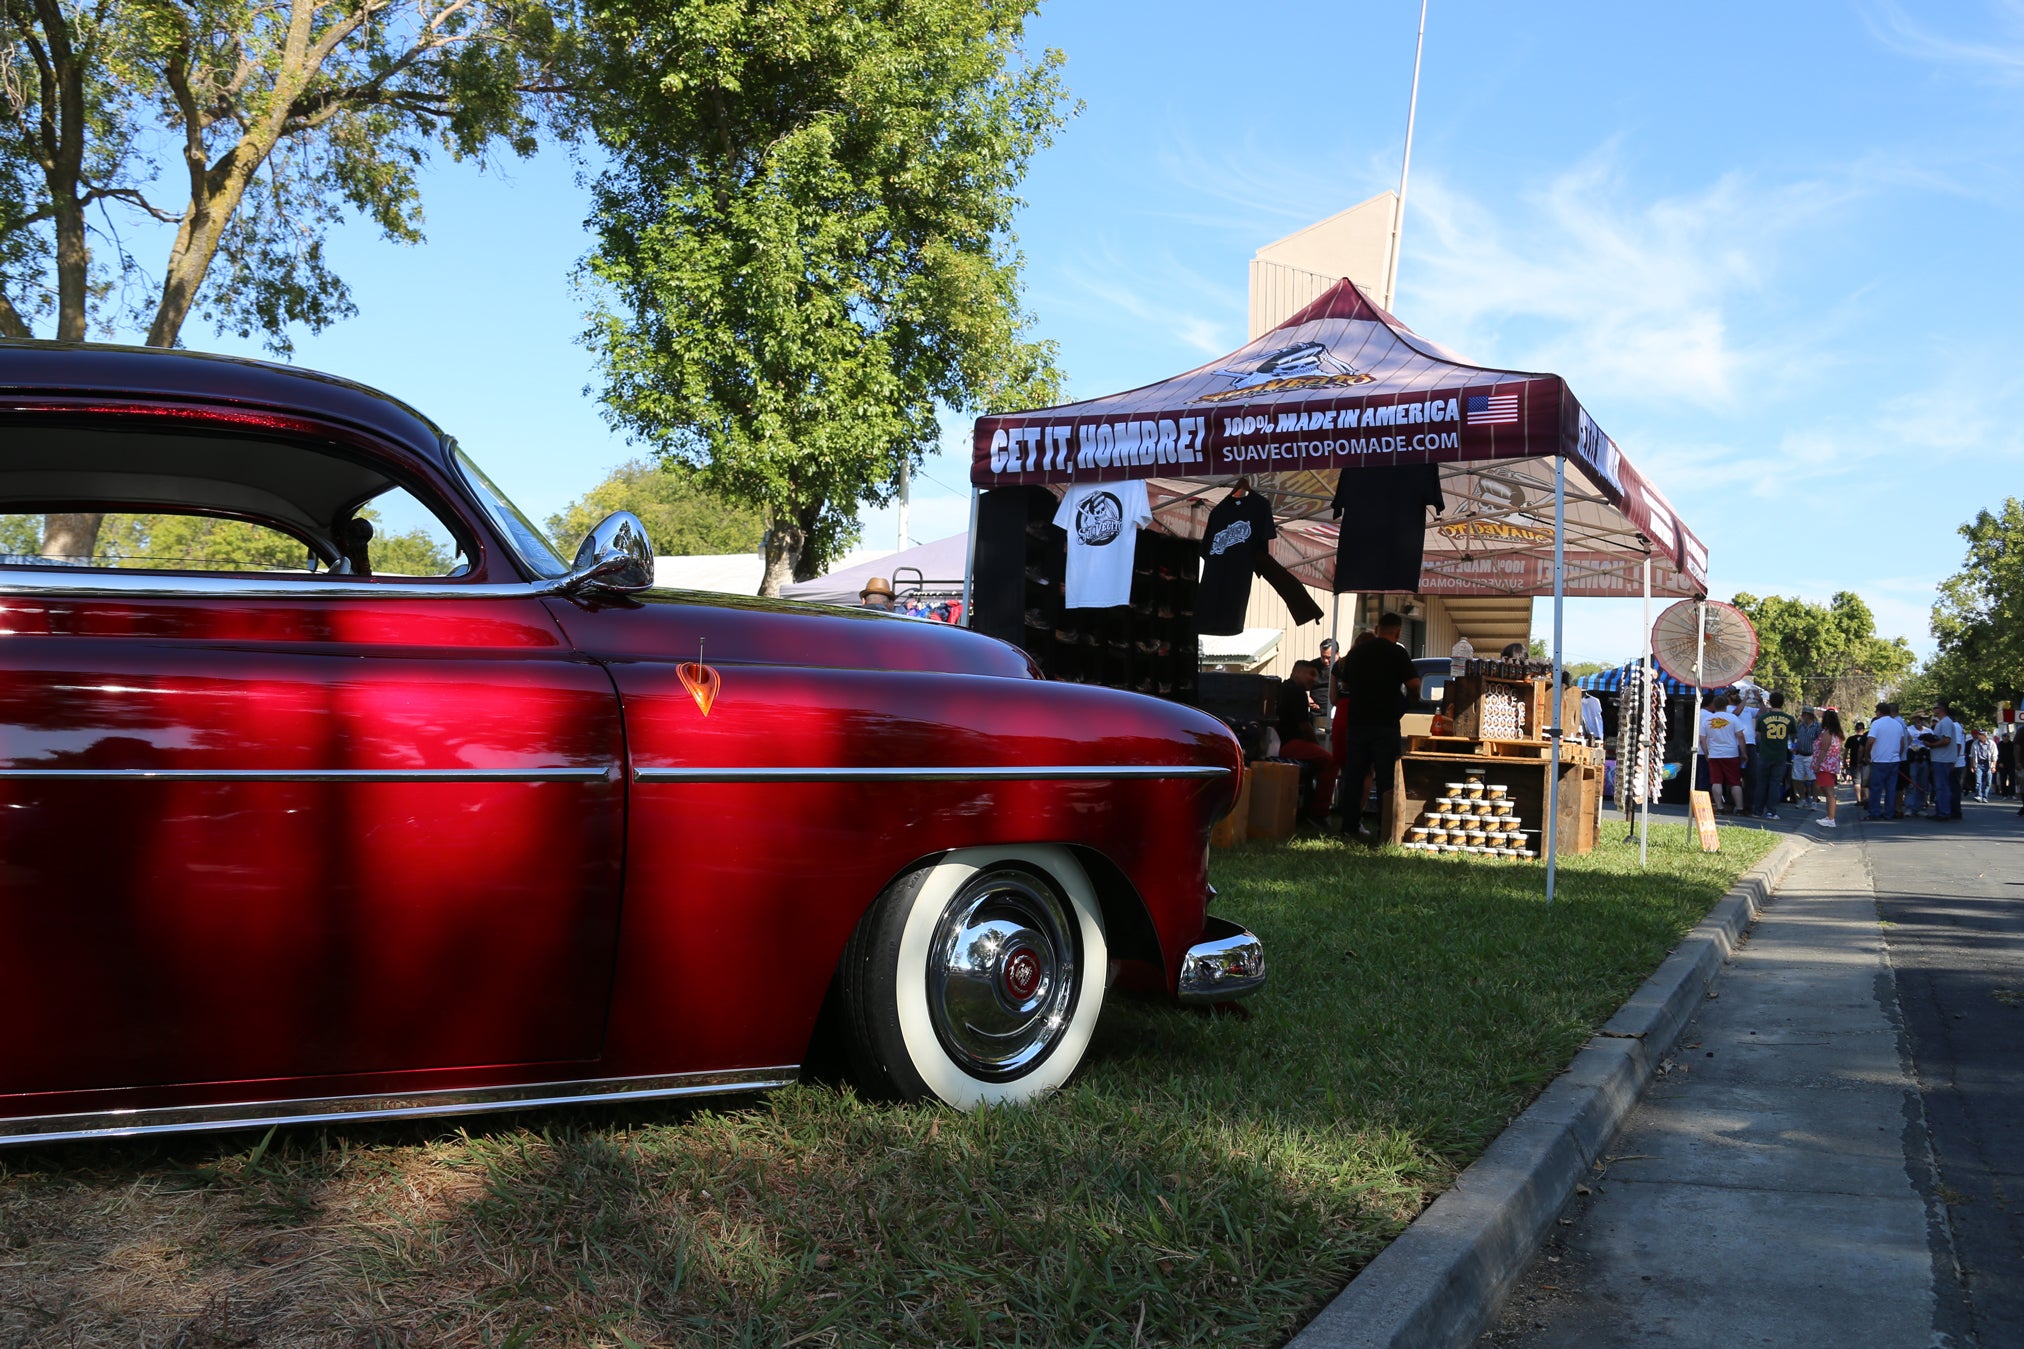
{"x":529,"y":543}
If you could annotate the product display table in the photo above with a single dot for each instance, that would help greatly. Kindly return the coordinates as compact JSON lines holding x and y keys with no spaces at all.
{"x":1443,"y":784}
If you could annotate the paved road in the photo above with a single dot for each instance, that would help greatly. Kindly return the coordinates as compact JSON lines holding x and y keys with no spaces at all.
{"x":1953,"y":896}
{"x":1836,"y":1156}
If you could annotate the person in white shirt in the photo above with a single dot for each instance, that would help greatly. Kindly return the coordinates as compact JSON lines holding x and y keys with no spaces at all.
{"x":1946,"y":741}
{"x":1722,"y":743}
{"x":1886,"y":755}
{"x":1591,"y":716}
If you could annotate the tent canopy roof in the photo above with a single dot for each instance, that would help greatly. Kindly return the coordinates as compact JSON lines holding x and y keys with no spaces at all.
{"x":936,"y":567}
{"x":1344,"y":385}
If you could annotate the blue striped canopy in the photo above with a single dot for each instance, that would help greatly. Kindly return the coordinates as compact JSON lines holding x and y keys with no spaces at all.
{"x":1610,"y":681}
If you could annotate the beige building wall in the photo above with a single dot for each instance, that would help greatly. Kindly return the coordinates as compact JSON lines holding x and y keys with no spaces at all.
{"x":1289,"y":273}
{"x":1267,"y":610}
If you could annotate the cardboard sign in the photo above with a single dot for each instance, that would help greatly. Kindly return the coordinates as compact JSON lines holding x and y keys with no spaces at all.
{"x":1703,"y":810}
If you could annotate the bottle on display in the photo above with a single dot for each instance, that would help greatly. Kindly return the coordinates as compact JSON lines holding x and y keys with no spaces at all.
{"x":1458,"y":658}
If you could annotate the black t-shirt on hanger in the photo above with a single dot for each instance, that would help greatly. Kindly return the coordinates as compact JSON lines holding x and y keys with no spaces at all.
{"x":1238,"y":530}
{"x":1384,"y":525}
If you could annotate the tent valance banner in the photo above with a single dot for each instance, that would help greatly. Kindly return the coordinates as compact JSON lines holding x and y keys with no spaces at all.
{"x":1343,"y":385}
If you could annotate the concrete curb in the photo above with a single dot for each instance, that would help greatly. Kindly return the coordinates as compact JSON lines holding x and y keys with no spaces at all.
{"x":1441,"y":1281}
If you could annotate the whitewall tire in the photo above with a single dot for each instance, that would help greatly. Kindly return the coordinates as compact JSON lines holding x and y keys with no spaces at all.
{"x":976,"y":979}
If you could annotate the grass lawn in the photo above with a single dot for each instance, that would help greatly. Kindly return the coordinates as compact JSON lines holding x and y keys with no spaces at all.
{"x":1203,"y":1181}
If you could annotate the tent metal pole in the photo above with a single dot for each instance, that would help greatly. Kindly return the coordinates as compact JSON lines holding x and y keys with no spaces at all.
{"x":970,"y":561}
{"x":1700,"y":694}
{"x":1559,"y":602}
{"x":1647,"y":751}
{"x":1334,"y":630}
{"x":1391,"y":275}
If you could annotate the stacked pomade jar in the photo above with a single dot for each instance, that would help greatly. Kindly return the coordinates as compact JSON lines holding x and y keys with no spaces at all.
{"x":1473,"y":817}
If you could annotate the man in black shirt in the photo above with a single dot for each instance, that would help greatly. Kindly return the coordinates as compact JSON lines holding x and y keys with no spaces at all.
{"x":1379,"y":681}
{"x":1296,"y":738}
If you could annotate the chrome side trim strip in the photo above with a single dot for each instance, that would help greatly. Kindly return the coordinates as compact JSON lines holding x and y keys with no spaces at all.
{"x":966,"y":773}
{"x":415,"y":1105}
{"x":306,"y":774}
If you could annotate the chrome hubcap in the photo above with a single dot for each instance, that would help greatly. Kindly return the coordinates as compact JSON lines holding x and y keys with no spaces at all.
{"x":1001,"y":973}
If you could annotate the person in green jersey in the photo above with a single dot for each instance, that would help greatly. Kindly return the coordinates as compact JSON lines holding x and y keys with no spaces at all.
{"x":1775,"y":733}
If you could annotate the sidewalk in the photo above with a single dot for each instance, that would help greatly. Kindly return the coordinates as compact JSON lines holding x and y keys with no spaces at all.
{"x":1767,"y":1190}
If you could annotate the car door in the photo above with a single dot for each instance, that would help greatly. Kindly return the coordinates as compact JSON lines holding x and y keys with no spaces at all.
{"x":283,"y":841}
{"x":249,"y":837}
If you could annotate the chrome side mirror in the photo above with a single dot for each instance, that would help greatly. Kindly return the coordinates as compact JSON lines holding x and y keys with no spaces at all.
{"x":616,"y":555}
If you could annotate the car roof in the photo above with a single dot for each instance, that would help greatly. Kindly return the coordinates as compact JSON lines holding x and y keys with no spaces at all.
{"x":66,"y":369}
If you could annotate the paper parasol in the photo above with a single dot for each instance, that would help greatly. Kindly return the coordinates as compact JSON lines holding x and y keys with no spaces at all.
{"x":1729,"y":653}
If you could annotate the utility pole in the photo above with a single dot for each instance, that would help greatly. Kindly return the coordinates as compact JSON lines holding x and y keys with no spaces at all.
{"x":906,"y":474}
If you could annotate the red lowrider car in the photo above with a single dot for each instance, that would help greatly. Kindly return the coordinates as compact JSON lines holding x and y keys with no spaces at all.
{"x":331,"y":843}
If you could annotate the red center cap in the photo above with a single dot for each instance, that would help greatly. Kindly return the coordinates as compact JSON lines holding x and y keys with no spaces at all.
{"x":1022,"y":973}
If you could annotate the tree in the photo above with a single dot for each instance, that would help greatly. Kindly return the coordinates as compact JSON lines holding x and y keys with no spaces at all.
{"x":1979,"y":618}
{"x":1824,"y":654}
{"x":249,"y":126}
{"x":803,"y":241}
{"x":682,"y":518}
{"x":175,"y":542}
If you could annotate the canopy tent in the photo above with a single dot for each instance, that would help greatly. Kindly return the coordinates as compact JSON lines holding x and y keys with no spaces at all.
{"x":1610,"y":681}
{"x":1343,"y":384}
{"x":936,"y":568}
{"x":1538,"y":500}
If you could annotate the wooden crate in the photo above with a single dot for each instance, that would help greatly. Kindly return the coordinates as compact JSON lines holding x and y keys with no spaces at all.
{"x":1467,"y":695}
{"x":1235,"y":827}
{"x":1275,"y":800}
{"x":1419,"y":777}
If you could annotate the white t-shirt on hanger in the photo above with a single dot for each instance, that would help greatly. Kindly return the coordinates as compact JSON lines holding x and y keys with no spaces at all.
{"x":1102,"y":520}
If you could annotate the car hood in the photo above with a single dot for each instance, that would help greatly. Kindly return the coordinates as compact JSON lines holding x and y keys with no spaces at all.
{"x":688,"y":625}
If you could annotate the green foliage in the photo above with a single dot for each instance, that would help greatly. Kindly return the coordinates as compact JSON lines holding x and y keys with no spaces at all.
{"x":249,"y":134}
{"x":197,"y":543}
{"x":410,"y":553}
{"x":682,"y":518}
{"x":20,"y":535}
{"x":803,"y":240}
{"x":207,"y":543}
{"x":1823,"y":654}
{"x":1979,"y":618}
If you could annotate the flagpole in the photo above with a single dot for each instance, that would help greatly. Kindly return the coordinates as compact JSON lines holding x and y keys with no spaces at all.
{"x":1391,"y":276}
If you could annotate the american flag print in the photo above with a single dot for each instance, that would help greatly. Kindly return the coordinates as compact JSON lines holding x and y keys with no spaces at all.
{"x":1492,"y":409}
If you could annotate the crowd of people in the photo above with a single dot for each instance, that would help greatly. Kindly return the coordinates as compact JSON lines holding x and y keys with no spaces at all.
{"x":1917,"y":764}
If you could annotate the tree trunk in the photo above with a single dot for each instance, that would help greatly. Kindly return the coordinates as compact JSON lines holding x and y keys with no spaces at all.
{"x":71,"y":538}
{"x":784,"y":544}
{"x":807,"y":564}
{"x":12,"y":324}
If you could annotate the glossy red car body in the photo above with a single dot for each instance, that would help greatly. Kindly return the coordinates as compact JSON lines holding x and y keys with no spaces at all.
{"x":273,"y":853}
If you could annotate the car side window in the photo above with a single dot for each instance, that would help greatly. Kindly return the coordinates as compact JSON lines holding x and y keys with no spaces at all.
{"x":116,"y":498}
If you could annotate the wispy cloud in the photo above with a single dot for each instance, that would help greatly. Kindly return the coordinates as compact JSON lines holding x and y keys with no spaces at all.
{"x":1159,"y":292}
{"x":1998,"y":55}
{"x":1622,"y":295}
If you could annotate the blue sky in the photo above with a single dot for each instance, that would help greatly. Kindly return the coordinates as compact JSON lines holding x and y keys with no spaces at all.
{"x":1773,"y":248}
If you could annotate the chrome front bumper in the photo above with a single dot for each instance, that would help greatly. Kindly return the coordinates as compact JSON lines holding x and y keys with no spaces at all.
{"x":1228,"y":963}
